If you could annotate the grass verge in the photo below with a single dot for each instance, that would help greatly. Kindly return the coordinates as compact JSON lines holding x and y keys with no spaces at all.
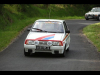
{"x":13,"y":30}
{"x":68,"y":17}
{"x":93,"y":33}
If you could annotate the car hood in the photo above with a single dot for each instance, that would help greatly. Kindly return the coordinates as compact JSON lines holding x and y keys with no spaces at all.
{"x":93,"y":13}
{"x":89,"y":13}
{"x":45,"y":36}
{"x":96,"y":13}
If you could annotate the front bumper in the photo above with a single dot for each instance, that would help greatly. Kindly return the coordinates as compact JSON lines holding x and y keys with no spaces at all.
{"x":91,"y":16}
{"x":53,"y":49}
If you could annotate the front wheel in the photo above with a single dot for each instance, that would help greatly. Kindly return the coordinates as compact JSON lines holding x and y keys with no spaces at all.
{"x":26,"y":53}
{"x":86,"y":18}
{"x":98,"y":18}
{"x":67,"y":49}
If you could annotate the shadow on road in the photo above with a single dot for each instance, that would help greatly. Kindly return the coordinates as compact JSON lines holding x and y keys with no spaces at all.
{"x":46,"y":55}
{"x":92,"y":20}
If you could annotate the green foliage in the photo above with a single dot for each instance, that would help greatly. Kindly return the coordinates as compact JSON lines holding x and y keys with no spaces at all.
{"x":11,"y":13}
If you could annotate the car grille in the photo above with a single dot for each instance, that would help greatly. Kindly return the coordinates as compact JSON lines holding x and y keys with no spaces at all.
{"x":42,"y":42}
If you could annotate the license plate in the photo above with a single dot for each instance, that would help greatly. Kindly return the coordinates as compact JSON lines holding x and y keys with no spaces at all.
{"x":90,"y":17}
{"x":42,"y":48}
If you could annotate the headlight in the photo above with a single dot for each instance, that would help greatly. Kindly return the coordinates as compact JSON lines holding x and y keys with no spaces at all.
{"x":36,"y":42}
{"x":96,"y":15}
{"x":29,"y":42}
{"x":85,"y":14}
{"x":56,"y":43}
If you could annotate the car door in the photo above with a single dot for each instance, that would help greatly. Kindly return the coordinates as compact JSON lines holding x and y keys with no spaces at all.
{"x":67,"y":35}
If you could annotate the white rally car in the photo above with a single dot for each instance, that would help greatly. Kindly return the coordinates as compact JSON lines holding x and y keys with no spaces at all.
{"x":48,"y":35}
{"x":93,"y":14}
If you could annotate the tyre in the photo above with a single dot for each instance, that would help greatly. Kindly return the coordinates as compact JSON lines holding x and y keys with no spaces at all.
{"x":86,"y":18}
{"x":67,"y":49}
{"x":98,"y":18}
{"x":26,"y":53}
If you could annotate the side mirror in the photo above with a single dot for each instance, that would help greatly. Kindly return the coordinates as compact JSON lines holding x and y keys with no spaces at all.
{"x":28,"y":29}
{"x":68,"y":31}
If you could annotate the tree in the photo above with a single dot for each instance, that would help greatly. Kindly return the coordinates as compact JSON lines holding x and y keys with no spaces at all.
{"x":46,"y":5}
{"x":1,"y":7}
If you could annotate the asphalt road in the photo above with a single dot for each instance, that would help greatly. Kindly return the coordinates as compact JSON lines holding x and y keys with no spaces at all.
{"x":82,"y":55}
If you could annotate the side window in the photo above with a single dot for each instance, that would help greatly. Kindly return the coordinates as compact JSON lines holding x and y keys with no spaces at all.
{"x":65,"y":26}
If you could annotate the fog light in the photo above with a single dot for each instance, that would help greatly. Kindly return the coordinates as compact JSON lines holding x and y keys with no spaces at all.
{"x":49,"y":43}
{"x":36,"y":42}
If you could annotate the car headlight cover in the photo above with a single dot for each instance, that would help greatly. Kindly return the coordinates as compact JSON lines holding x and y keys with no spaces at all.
{"x":96,"y":15}
{"x":36,"y":42}
{"x":56,"y":43}
{"x":29,"y":42}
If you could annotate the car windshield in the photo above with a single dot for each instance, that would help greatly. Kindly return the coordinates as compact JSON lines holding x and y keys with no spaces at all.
{"x":48,"y":26}
{"x":95,"y":10}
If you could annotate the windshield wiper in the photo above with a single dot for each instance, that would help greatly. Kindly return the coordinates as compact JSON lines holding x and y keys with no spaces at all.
{"x":54,"y":32}
{"x":40,"y":29}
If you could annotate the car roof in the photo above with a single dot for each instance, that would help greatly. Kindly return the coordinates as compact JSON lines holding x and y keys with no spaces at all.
{"x":50,"y":20}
